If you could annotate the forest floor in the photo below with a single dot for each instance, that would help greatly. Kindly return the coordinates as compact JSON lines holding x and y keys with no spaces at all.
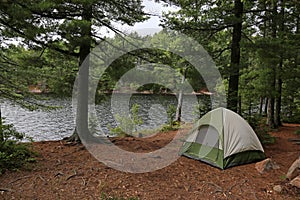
{"x":65,"y":171}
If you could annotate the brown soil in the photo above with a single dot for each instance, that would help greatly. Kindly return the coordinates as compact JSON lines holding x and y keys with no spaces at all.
{"x":70,"y":172}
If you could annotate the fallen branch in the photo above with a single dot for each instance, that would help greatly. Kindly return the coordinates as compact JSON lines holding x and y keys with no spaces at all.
{"x":219,"y":188}
{"x":24,"y":177}
{"x":71,"y":176}
{"x":83,"y":181}
{"x":231,"y":187}
{"x":6,"y":190}
{"x":58,"y":174}
{"x":39,"y":176}
{"x":294,"y":140}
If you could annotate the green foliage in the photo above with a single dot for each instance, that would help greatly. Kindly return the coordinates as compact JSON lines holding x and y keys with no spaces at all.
{"x":171,"y":113}
{"x":127,"y":124}
{"x":171,"y":124}
{"x":262,"y":130}
{"x":168,"y":127}
{"x":199,"y":111}
{"x":269,"y":47}
{"x":297,"y":132}
{"x":291,"y":118}
{"x":283,"y":177}
{"x":13,"y":155}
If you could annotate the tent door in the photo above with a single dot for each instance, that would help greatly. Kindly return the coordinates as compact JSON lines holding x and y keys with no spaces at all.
{"x":208,"y":137}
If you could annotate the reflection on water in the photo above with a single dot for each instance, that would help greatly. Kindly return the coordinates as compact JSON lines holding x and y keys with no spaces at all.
{"x":60,"y":123}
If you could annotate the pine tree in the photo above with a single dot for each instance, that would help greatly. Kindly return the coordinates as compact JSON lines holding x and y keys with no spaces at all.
{"x":48,"y":24}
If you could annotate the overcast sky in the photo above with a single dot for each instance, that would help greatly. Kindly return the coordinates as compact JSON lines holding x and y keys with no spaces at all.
{"x":152,"y":23}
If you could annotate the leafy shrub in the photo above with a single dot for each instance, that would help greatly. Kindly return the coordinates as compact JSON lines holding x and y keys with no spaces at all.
{"x":171,"y":124}
{"x":291,"y":117}
{"x":127,"y":124}
{"x":171,"y":114}
{"x":13,"y":154}
{"x":258,"y":123}
{"x":201,"y":109}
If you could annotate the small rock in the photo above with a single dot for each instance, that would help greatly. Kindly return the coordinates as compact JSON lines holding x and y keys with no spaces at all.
{"x":277,"y":188}
{"x":294,"y":170}
{"x":266,"y":165}
{"x":296,"y":182}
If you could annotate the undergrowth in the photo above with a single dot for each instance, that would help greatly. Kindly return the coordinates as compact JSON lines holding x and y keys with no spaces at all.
{"x":258,"y":123}
{"x":13,"y":154}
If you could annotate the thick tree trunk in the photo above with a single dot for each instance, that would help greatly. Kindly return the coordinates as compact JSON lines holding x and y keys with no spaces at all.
{"x":279,"y":74}
{"x":83,"y":77}
{"x":270,"y":115}
{"x":232,"y":97}
{"x":271,"y":107}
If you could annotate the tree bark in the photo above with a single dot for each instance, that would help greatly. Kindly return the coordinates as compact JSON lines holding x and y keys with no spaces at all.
{"x":266,"y":106}
{"x":83,"y":76}
{"x":261,"y":105}
{"x":1,"y":129}
{"x":270,"y":118}
{"x":179,"y":105}
{"x":271,"y":107}
{"x":180,"y":98}
{"x":240,"y":105}
{"x":279,"y":75}
{"x":232,"y":97}
{"x":279,"y":96}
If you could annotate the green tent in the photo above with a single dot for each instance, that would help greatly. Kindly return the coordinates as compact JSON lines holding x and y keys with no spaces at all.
{"x":223,"y":139}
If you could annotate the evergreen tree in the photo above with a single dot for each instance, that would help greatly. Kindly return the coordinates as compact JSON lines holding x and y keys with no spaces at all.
{"x":76,"y":24}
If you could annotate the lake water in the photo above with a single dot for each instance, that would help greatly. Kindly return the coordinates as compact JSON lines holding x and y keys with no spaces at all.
{"x":59,"y":123}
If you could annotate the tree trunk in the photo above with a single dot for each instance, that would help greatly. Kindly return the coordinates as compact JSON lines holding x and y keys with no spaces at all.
{"x":279,"y":74}
{"x":271,"y":107}
{"x":232,"y":97}
{"x":261,"y":105}
{"x":180,"y":98}
{"x":291,"y":106}
{"x":1,"y":129}
{"x":179,"y":105}
{"x":278,"y":97}
{"x":270,"y":115}
{"x":83,"y":77}
{"x":250,"y":109}
{"x":266,"y":106}
{"x":240,"y":105}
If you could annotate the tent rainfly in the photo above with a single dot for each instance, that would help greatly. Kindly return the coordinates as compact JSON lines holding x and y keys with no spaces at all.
{"x":223,"y":139}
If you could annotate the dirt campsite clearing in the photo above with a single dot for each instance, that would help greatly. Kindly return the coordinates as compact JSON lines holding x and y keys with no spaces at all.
{"x":64,"y":171}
